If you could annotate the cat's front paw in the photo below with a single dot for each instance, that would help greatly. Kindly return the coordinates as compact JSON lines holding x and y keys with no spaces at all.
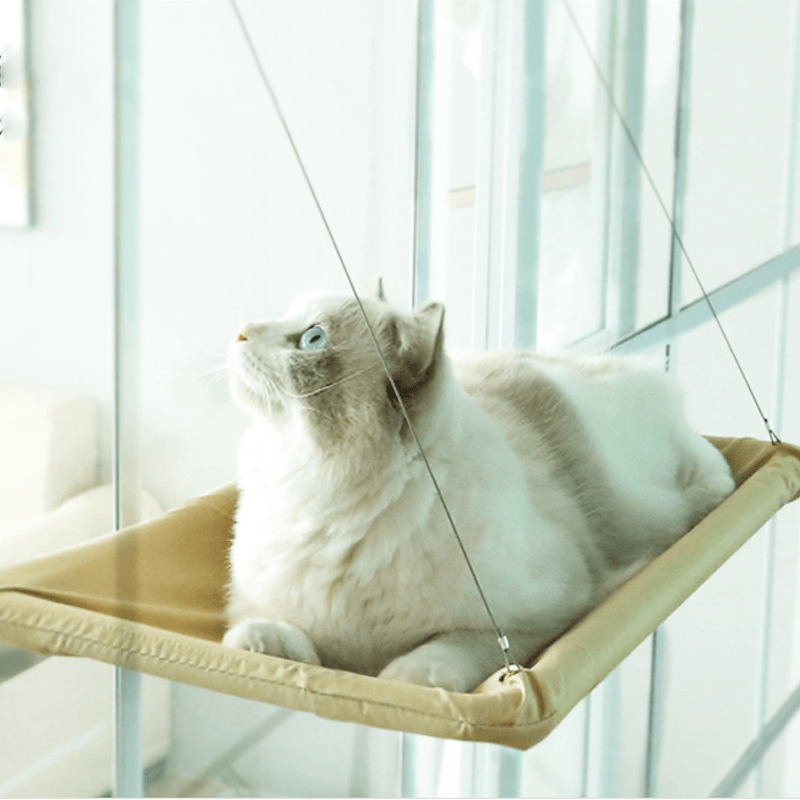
{"x":415,"y":668}
{"x":281,"y":639}
{"x":457,"y":661}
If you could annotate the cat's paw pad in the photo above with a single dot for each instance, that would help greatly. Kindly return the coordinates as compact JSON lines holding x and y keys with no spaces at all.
{"x":281,"y":639}
{"x":412,"y":669}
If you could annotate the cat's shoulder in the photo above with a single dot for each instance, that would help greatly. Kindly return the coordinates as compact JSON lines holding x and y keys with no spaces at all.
{"x":524,"y":366}
{"x":550,"y":375}
{"x":531,"y":364}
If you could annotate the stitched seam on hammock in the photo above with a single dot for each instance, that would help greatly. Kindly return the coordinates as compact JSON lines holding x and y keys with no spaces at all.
{"x":273,"y":681}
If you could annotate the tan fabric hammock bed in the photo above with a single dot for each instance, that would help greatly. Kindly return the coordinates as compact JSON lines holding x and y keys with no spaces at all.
{"x":68,"y":604}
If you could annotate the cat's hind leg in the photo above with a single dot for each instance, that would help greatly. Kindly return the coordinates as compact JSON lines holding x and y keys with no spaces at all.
{"x":458,"y":661}
{"x":272,"y":638}
{"x":704,"y":475}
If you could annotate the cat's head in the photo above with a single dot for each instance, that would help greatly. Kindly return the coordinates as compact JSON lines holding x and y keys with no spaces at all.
{"x":319,"y":364}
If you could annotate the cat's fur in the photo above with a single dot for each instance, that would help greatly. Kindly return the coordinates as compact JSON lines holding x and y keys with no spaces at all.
{"x":563,"y":475}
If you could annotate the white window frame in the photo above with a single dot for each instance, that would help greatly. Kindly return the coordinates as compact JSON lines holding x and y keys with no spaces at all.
{"x":503,"y":246}
{"x":511,"y":163}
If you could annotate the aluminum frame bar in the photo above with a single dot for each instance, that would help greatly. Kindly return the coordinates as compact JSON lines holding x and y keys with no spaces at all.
{"x":725,"y":297}
{"x":128,"y":755}
{"x":530,"y":166}
{"x":752,"y":756}
{"x":626,"y":171}
{"x":423,"y":153}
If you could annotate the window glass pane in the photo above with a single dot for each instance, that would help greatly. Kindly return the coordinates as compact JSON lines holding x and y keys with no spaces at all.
{"x":453,"y":282}
{"x":230,"y":235}
{"x":554,"y":767}
{"x":794,"y":180}
{"x":709,"y":659}
{"x":234,"y":238}
{"x":571,"y":85}
{"x":458,"y":45}
{"x":784,"y":653}
{"x":454,"y":81}
{"x":571,"y":264}
{"x":570,"y":282}
{"x":721,"y":624}
{"x":252,"y":749}
{"x":662,"y":46}
{"x":795,"y":221}
{"x":56,"y":390}
{"x":784,"y":646}
{"x":742,"y":67}
{"x":780,"y":770}
{"x":57,"y":743}
{"x":790,"y":427}
{"x":717,"y":400}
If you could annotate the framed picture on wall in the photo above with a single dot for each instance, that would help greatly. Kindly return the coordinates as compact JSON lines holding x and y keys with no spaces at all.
{"x":15,"y":190}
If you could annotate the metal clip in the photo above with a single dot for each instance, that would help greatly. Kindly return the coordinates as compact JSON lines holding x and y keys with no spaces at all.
{"x":510,"y":669}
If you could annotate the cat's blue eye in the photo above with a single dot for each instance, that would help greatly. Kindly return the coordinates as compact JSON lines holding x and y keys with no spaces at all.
{"x":313,"y":339}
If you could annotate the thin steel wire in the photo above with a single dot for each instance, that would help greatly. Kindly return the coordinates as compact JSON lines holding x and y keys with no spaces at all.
{"x":502,"y":639}
{"x":631,"y":139}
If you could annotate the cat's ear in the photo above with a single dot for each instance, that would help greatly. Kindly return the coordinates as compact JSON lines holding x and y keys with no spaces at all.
{"x":420,"y":346}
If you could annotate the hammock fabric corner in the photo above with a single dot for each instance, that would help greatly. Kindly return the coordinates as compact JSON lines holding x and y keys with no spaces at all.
{"x":171,"y":623}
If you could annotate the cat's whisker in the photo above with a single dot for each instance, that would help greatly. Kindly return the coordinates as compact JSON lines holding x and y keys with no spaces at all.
{"x":268,"y":391}
{"x":213,"y":377}
{"x":214,"y":373}
{"x":215,"y":354}
{"x":209,"y":383}
{"x":327,"y":386}
{"x":318,"y":411}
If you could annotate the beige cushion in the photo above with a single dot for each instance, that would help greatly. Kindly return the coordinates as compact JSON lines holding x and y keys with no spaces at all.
{"x":48,"y":452}
{"x":81,"y":518}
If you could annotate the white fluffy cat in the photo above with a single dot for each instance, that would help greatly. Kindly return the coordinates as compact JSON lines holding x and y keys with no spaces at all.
{"x":562,"y":475}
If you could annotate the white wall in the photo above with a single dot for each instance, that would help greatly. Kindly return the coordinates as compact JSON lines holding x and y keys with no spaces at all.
{"x":55,"y":278}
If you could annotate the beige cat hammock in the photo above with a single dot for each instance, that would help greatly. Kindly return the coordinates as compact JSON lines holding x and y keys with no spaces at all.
{"x":69,"y":604}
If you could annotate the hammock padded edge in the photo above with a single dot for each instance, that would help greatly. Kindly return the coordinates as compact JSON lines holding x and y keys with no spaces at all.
{"x":171,"y":572}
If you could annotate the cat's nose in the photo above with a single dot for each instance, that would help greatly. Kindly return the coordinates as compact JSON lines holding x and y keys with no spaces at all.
{"x":256,"y":331}
{"x":247,"y":332}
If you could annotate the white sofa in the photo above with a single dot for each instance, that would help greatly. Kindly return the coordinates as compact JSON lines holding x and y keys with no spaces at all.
{"x":56,"y":718}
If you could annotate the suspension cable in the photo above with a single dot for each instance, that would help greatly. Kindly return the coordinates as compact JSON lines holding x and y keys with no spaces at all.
{"x":677,"y":237}
{"x":502,"y":639}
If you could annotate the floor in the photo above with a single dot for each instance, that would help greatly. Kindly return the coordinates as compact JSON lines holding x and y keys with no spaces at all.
{"x":159,"y":782}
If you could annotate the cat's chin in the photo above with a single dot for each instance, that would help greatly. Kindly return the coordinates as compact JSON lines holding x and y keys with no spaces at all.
{"x":252,"y":402}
